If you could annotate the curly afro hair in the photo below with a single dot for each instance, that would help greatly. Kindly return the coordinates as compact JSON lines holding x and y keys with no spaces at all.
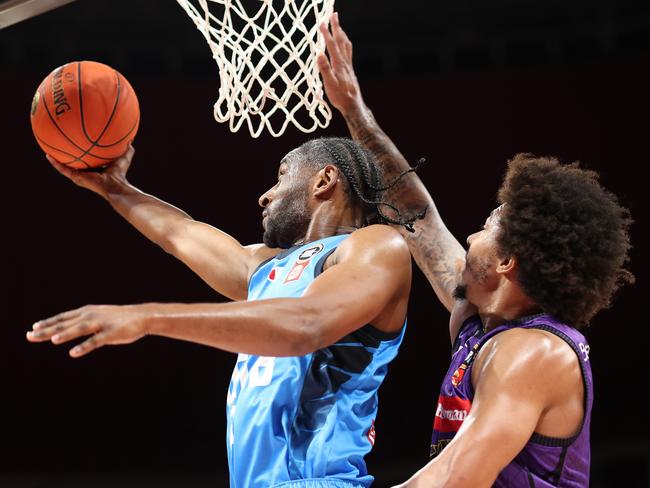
{"x":569,"y":234}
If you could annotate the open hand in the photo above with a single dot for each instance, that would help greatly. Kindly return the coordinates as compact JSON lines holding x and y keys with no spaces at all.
{"x":105,"y":324}
{"x":101,"y":182}
{"x":339,"y":80}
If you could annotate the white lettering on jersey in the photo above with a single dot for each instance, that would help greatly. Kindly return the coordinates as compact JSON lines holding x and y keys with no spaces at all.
{"x":259,"y":374}
{"x":450,"y":414}
{"x":584,"y":349}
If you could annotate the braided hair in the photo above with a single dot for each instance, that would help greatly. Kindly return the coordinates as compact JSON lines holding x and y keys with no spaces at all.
{"x":363,"y":177}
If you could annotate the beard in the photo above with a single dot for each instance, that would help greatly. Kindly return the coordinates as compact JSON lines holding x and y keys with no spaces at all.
{"x":460,"y":292}
{"x":287,"y":221}
{"x":478,"y":275}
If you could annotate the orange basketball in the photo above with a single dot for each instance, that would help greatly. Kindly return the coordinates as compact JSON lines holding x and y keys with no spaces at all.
{"x":85,"y":114}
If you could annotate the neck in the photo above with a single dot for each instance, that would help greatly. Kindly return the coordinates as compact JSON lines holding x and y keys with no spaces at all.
{"x":508,"y":302}
{"x":332,"y":219}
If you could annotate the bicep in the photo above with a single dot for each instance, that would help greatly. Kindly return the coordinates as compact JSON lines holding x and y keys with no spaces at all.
{"x":506,"y":408}
{"x":359,"y":290}
{"x":216,"y":257}
{"x":497,"y":428}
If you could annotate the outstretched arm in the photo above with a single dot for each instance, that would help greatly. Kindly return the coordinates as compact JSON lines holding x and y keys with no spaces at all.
{"x":436,"y":251}
{"x":345,"y":297}
{"x":215,"y":256}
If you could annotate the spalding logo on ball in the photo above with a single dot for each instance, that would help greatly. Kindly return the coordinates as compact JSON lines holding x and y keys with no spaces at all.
{"x":85,"y":114}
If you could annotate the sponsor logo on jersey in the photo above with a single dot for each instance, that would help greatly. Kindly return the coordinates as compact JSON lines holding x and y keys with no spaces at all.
{"x":309,"y":253}
{"x":371,"y":433}
{"x":450,"y":413}
{"x":584,"y":349}
{"x":458,"y":375}
{"x":272,"y":275}
{"x":302,"y":262}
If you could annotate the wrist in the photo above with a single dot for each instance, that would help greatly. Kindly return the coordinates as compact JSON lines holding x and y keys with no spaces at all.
{"x":116,"y":188}
{"x":355,"y":108}
{"x":149,"y":320}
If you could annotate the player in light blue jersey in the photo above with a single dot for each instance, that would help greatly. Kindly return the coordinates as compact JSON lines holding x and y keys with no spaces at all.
{"x":320,"y":311}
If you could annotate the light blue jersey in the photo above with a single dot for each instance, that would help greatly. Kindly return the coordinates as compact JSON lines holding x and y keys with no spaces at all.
{"x":307,"y":417}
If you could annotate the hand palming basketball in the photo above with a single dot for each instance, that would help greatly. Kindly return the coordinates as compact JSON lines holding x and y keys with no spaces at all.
{"x":110,"y":180}
{"x":85,"y":114}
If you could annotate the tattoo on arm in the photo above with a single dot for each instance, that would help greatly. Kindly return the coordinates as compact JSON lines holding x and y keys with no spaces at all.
{"x":437,"y":253}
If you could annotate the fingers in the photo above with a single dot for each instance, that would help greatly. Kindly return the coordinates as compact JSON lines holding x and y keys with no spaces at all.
{"x":342,"y":40}
{"x":82,"y":329}
{"x":333,"y":50}
{"x":70,"y":314}
{"x":123,"y":163}
{"x":94,"y":342}
{"x":329,"y":79}
{"x":61,"y":168}
{"x":67,"y":326}
{"x":43,"y":330}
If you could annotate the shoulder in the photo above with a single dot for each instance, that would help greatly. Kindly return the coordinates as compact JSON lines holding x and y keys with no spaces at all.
{"x":532,"y":356}
{"x":375,"y":246}
{"x":260,"y":251}
{"x":376,"y":239}
{"x":258,"y":254}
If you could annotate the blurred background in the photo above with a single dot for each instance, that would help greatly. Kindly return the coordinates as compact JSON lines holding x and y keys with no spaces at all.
{"x":465,"y":84}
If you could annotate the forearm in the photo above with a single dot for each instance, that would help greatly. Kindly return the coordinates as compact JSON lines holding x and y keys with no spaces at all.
{"x":276,"y":327}
{"x":435,"y":250}
{"x":155,"y":219}
{"x":364,"y":129}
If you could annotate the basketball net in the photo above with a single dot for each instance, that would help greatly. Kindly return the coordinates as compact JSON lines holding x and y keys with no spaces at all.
{"x":266,"y":55}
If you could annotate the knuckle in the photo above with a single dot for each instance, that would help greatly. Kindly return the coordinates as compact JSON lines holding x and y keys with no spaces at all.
{"x":84,"y":327}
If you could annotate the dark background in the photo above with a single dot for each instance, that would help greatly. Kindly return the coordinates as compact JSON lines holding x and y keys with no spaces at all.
{"x":466,"y":84}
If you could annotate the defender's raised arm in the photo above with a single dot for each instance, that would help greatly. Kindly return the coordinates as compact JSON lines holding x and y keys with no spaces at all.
{"x":436,"y":251}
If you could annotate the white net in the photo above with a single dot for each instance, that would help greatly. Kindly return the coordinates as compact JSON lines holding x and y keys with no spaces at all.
{"x":266,"y":53}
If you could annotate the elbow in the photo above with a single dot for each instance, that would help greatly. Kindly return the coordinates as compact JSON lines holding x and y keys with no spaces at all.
{"x":167,"y":244}
{"x":170,"y":239}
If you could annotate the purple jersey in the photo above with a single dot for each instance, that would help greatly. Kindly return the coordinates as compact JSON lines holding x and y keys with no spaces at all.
{"x":544,"y":461}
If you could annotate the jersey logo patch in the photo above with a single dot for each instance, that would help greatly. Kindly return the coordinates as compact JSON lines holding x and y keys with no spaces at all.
{"x":458,"y":375}
{"x":371,"y":433}
{"x":302,"y":262}
{"x":451,"y":413}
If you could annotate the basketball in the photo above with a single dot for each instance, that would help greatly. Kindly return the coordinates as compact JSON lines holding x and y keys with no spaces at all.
{"x":85,"y":114}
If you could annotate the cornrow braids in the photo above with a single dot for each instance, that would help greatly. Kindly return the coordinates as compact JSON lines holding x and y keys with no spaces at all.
{"x":361,"y":171}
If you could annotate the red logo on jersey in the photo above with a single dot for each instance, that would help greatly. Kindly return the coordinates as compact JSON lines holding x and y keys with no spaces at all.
{"x":451,"y":413}
{"x":371,"y":433}
{"x":272,"y":275}
{"x":302,"y":262}
{"x":457,"y":377}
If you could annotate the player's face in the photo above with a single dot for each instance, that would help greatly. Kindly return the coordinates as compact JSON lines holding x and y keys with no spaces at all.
{"x":479,"y":277}
{"x":286,"y":207}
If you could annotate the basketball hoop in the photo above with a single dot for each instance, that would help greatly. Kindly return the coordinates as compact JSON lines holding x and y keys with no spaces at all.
{"x":266,"y":53}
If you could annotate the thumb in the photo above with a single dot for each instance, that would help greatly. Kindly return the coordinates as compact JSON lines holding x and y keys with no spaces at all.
{"x":123,"y":163}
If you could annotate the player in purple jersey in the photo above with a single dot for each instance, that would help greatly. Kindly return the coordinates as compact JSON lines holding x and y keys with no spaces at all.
{"x":515,"y":405}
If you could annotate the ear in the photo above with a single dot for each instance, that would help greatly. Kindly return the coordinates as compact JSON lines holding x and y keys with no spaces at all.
{"x":507,"y":266}
{"x":325,"y":182}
